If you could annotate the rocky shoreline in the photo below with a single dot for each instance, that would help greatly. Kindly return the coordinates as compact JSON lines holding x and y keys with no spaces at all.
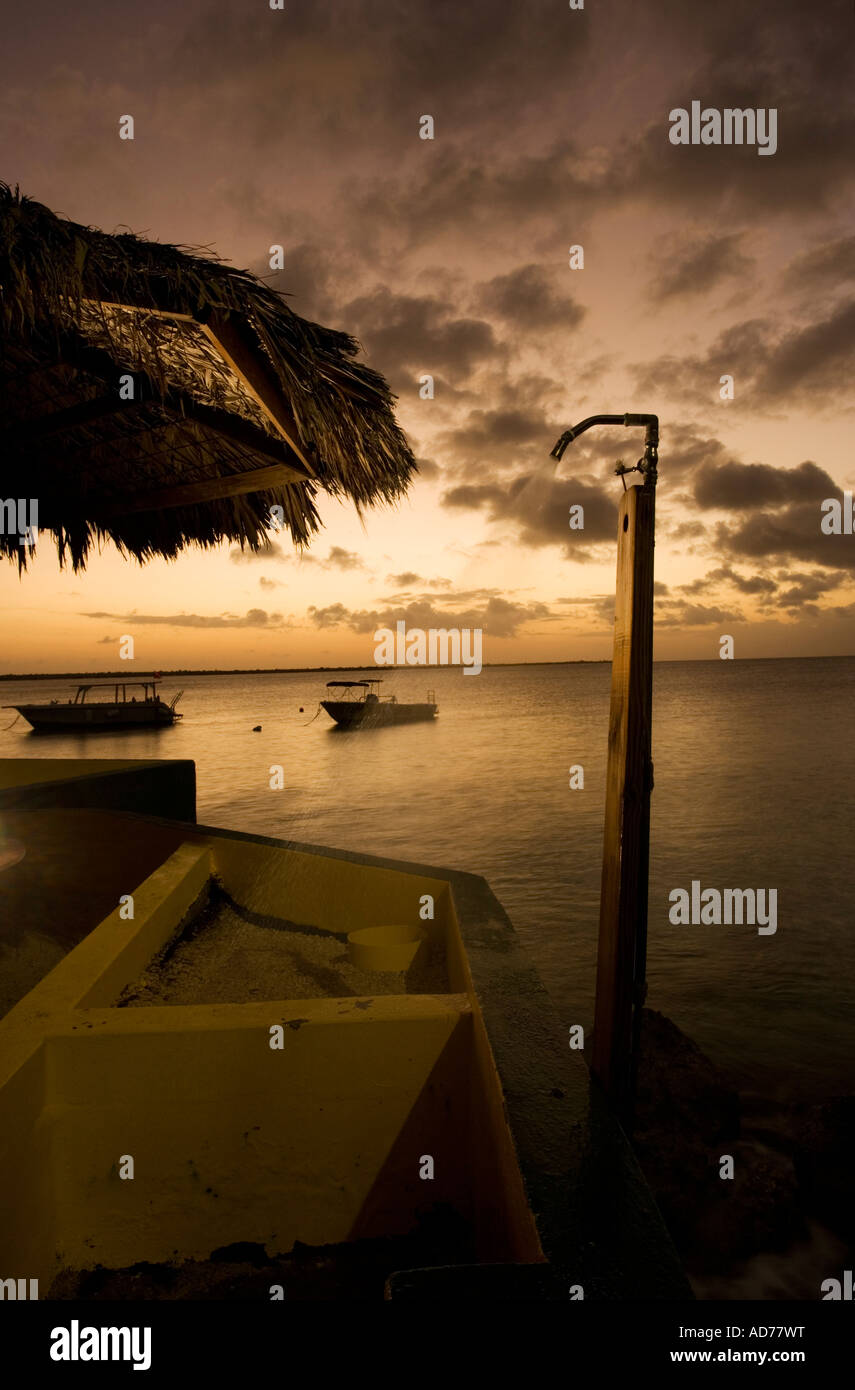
{"x":786,"y":1219}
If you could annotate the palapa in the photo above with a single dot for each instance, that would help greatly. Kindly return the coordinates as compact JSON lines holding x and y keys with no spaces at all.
{"x":162,"y":398}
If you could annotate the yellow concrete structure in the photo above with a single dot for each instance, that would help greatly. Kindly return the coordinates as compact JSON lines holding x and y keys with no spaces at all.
{"x":156,"y":1107}
{"x":272,"y":1122}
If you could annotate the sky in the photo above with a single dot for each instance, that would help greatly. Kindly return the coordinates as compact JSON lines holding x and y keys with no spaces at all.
{"x":450,"y":257}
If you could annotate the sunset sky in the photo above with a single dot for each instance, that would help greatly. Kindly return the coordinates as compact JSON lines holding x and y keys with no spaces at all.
{"x":449,"y":257}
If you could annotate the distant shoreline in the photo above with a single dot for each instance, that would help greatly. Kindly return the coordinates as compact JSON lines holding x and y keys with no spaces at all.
{"x":264,"y":670}
{"x":130,"y":676}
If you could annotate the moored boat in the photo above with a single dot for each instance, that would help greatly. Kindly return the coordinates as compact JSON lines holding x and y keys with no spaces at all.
{"x":364,"y":707}
{"x":120,"y":712}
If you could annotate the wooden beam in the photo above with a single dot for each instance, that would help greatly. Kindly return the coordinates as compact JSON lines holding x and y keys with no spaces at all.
{"x":84,"y":413}
{"x":235,"y":343}
{"x":157,"y":310}
{"x":208,"y":490}
{"x":77,"y":353}
{"x":240,"y":431}
{"x":340,"y":376}
{"x":629,"y":780}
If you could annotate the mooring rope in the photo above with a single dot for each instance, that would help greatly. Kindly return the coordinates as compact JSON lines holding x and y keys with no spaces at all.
{"x":14,"y":721}
{"x":313,"y":718}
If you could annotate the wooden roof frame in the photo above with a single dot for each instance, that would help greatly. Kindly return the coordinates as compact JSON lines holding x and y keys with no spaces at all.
{"x":230,"y":335}
{"x":284,"y":469}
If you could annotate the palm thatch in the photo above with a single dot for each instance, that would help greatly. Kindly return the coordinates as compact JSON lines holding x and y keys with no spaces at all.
{"x":161,"y":398}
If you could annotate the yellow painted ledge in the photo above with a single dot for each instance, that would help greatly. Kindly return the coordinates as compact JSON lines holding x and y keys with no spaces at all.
{"x":113,"y":955}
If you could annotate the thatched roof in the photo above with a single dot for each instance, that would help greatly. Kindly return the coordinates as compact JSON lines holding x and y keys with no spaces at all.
{"x":238,"y":403}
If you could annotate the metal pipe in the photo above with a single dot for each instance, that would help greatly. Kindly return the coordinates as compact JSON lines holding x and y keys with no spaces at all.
{"x":651,"y":421}
{"x":622,"y":948}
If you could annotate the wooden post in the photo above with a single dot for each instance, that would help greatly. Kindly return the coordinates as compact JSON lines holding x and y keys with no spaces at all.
{"x":621,"y":960}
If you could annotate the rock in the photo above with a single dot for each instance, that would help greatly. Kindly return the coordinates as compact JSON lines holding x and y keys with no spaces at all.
{"x":825,"y":1162}
{"x":755,"y":1210}
{"x":678,"y":1084}
{"x":686,"y":1114}
{"x":791,"y":1162}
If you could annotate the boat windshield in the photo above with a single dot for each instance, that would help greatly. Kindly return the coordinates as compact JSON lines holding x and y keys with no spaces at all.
{"x":118,"y":693}
{"x":360,"y":690}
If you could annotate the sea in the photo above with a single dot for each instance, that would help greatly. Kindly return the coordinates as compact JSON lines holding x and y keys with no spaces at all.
{"x":754,"y":788}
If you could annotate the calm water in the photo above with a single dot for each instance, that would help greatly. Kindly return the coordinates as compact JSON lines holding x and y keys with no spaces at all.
{"x":755,"y":788}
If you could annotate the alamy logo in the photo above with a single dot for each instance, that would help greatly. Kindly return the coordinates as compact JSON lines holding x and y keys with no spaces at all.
{"x":836,"y":1291}
{"x":17,"y":1289}
{"x":434,"y":647}
{"x":13,"y":517}
{"x":738,"y":904}
{"x":76,"y":1343}
{"x":731,"y":126}
{"x":838,"y":517}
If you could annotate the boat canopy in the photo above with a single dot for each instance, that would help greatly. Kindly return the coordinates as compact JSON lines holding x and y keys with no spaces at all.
{"x":110,"y":685}
{"x":116,"y":686}
{"x":347,"y":684}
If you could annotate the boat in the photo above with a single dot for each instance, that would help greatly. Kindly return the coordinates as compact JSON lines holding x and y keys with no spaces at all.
{"x":120,"y":712}
{"x":363,"y":706}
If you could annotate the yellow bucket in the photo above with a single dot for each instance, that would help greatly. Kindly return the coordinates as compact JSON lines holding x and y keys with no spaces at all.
{"x":385,"y":948}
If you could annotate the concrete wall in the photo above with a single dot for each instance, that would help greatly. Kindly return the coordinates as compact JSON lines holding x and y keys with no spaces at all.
{"x":149,"y":787}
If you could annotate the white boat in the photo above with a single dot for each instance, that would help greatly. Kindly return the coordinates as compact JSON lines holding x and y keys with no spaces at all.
{"x":118,"y":712}
{"x":364,"y":707}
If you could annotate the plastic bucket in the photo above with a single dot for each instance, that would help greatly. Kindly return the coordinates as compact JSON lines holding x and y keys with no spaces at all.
{"x":385,"y":948}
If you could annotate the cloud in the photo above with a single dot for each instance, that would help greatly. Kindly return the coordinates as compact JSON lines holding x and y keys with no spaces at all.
{"x":273,"y":551}
{"x":254,"y":617}
{"x":699,"y":266}
{"x":747,"y":486}
{"x":817,"y":359}
{"x":540,"y":507}
{"x":805,"y":588}
{"x":500,"y":435}
{"x":338,"y":559}
{"x":495,"y":615}
{"x":516,"y":430}
{"x":421,"y":333}
{"x":811,"y":364}
{"x":686,"y":448}
{"x":791,"y":591}
{"x":387,"y":64}
{"x":830,"y":264}
{"x":527,"y":301}
{"x":790,"y":533}
{"x":779,"y":67}
{"x":405,"y":580}
{"x":687,"y":531}
{"x":342,"y":559}
{"x":309,"y":279}
{"x":334,"y":615}
{"x":696,"y":615}
{"x":745,"y":583}
{"x":428,"y":468}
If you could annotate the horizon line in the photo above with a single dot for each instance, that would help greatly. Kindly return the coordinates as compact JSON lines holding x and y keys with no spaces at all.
{"x":296,"y":670}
